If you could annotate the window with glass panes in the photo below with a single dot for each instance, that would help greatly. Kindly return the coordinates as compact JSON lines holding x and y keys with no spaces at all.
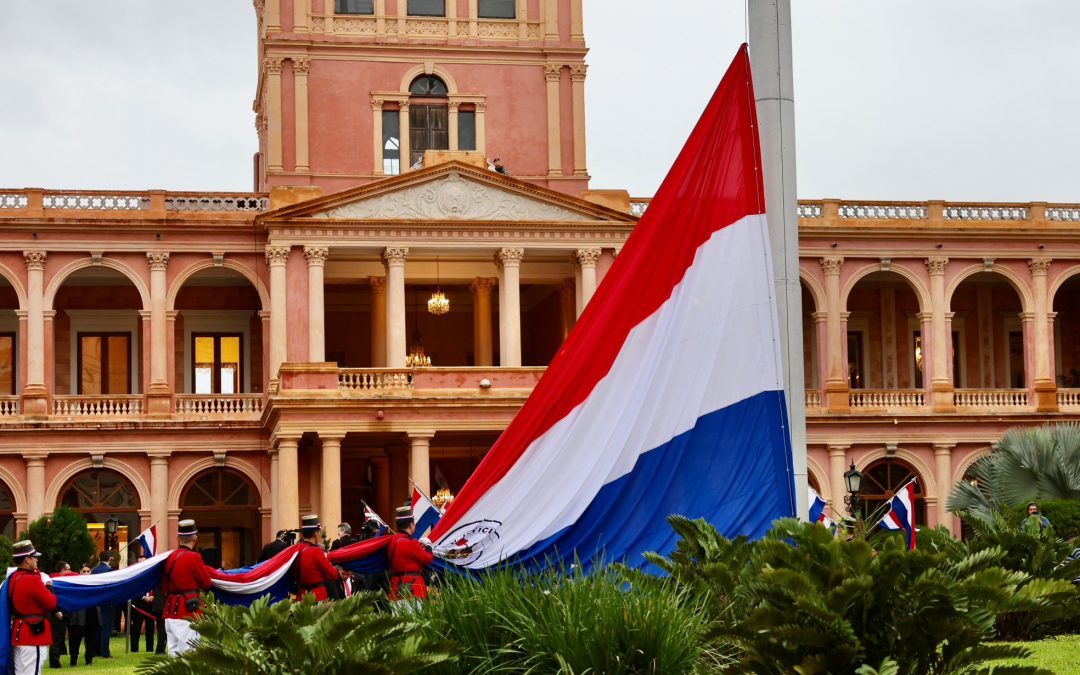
{"x":104,"y":364}
{"x":7,"y":364}
{"x":391,"y":142}
{"x":427,"y":7}
{"x":466,"y":123}
{"x":428,"y":117}
{"x":354,"y":6}
{"x":495,"y":9}
{"x":216,"y":367}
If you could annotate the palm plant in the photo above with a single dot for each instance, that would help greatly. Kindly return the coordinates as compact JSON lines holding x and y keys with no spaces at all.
{"x":348,"y":636}
{"x":1028,"y":463}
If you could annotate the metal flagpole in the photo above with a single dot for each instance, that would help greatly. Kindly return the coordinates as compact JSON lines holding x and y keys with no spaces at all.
{"x":769,"y":25}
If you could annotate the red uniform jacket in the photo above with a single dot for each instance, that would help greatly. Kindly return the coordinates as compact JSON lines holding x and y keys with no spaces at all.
{"x":408,"y":558}
{"x":184,"y":576}
{"x":32,"y":603}
{"x":314,"y":572}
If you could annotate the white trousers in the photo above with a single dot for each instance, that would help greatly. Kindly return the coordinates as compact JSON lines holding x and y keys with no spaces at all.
{"x":182,"y":636}
{"x":30,"y":660}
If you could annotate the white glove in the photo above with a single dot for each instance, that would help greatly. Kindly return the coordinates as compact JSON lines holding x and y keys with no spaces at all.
{"x":425,"y":541}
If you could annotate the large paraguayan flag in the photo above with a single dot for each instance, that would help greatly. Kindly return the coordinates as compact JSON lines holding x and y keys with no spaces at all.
{"x":667,"y":396}
{"x":901,"y":515}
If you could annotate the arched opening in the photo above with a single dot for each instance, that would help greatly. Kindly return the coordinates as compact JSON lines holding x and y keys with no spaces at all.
{"x":883,"y":478}
{"x":7,"y":512}
{"x":810,"y":339}
{"x":1067,"y":334}
{"x":101,"y":495}
{"x":883,"y":334}
{"x":220,"y":334}
{"x":225,"y":505}
{"x":987,"y":334}
{"x":429,"y":121}
{"x":97,"y":334}
{"x":9,"y":341}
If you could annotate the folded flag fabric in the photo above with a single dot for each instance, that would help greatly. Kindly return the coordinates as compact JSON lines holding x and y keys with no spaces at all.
{"x":817,"y":508}
{"x":667,"y":396}
{"x":425,"y":513}
{"x":901,"y":515}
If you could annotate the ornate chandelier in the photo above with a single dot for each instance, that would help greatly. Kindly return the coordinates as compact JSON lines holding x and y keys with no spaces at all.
{"x":416,"y":357}
{"x":442,"y":498}
{"x":437,"y":303}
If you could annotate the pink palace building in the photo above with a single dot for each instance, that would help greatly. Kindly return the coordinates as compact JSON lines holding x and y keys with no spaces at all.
{"x":379,"y":307}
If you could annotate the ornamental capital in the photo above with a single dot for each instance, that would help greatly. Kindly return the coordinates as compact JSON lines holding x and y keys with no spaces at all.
{"x":277,"y":255}
{"x":936,"y":266}
{"x":483,"y":284}
{"x":377,"y":103}
{"x":316,"y":255}
{"x":35,"y":260}
{"x":1039,"y":266}
{"x":552,"y":71}
{"x":395,"y":256}
{"x":831,"y":266}
{"x":481,"y":106}
{"x":453,"y":106}
{"x":273,"y":64}
{"x":157,"y":260}
{"x":577,"y":72}
{"x":587,"y":257}
{"x":300,"y":64}
{"x":403,"y":106}
{"x":260,"y":122}
{"x":509,"y":256}
{"x":378,"y":285}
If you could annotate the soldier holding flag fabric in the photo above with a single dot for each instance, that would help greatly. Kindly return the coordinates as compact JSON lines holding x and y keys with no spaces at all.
{"x":32,"y":604}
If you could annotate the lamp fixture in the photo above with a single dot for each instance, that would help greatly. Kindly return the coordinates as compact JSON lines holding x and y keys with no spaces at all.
{"x":438,"y":304}
{"x":416,"y":358}
{"x":442,"y":498}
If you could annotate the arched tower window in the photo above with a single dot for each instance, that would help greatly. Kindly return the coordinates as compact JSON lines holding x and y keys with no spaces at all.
{"x":429,"y":127}
{"x":883,"y":478}
{"x":100,"y":495}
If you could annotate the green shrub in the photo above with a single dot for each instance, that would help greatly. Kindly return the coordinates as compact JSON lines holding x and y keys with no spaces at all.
{"x":1063,"y":514}
{"x":567,"y":623}
{"x":62,"y":536}
{"x":347,"y":636}
{"x":5,"y":553}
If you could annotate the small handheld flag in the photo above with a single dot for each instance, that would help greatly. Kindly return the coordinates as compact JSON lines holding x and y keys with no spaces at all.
{"x":817,"y":508}
{"x":901,"y":515}
{"x":369,"y":514}
{"x":425,"y":513}
{"x":148,"y":541}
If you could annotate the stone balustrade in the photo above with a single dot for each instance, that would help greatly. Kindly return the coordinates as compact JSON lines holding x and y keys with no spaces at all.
{"x":220,"y":405}
{"x":638,"y":205}
{"x":1015,"y":400}
{"x":154,"y":203}
{"x":373,"y":381}
{"x":97,"y":406}
{"x":9,"y":406}
{"x":1068,"y":398}
{"x":886,"y":399}
{"x":813,"y":398}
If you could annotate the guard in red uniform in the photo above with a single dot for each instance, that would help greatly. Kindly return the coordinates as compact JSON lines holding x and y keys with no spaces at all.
{"x":184,"y":577}
{"x":408,"y":557}
{"x":312,"y":571}
{"x":32,"y":603}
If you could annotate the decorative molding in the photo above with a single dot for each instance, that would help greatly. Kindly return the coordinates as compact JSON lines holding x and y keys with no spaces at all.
{"x":377,"y":104}
{"x":277,"y":255}
{"x":831,"y":266}
{"x":577,"y":71}
{"x":481,"y":106}
{"x":395,"y":256}
{"x":452,"y":198}
{"x":483,"y":284}
{"x":936,"y":266}
{"x":158,"y":261}
{"x":552,"y":71}
{"x":587,"y":257}
{"x":300,"y":64}
{"x":1039,"y":266}
{"x":35,"y":260}
{"x":316,"y":255}
{"x":452,"y":106}
{"x":378,"y":285}
{"x":509,"y":256}
{"x":273,"y":64}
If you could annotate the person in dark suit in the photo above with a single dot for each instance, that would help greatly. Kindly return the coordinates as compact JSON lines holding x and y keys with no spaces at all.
{"x":344,"y":537}
{"x":106,"y":613}
{"x":280,"y":543}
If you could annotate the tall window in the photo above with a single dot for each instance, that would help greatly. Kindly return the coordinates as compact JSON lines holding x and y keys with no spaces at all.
{"x":354,"y":6}
{"x":883,"y":478}
{"x":7,"y":364}
{"x":496,"y":9}
{"x":217,"y":364}
{"x":466,"y":130}
{"x":428,"y":117}
{"x":427,"y":7}
{"x":391,"y":142}
{"x":104,"y":364}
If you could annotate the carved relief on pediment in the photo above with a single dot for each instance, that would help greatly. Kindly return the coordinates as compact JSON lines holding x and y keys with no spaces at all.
{"x":452,"y":198}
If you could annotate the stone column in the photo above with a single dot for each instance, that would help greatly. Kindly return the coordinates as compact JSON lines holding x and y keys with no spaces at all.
{"x":277,"y":257}
{"x":837,"y":467}
{"x":316,"y":261}
{"x":452,"y":118}
{"x":35,"y":484}
{"x":941,"y":386}
{"x":1045,"y":388}
{"x":300,"y":97}
{"x":300,"y":16}
{"x":420,"y":459}
{"x":403,"y":135}
{"x":378,"y":321}
{"x":35,"y":397}
{"x":821,"y":355}
{"x":482,"y":342}
{"x":577,"y":78}
{"x":553,"y":73}
{"x":377,"y":136}
{"x":395,"y":306}
{"x":275,"y":490}
{"x":509,"y":262}
{"x":273,"y":64}
{"x":551,"y":19}
{"x":380,"y":17}
{"x":158,"y":400}
{"x":473,"y":24}
{"x":330,"y":507}
{"x":577,"y":21}
{"x":522,"y":14}
{"x":943,"y":470}
{"x":159,"y":489}
{"x":481,"y":134}
{"x":288,"y":493}
{"x":567,"y":305}
{"x":586,"y":260}
{"x":273,"y":15}
{"x":381,"y":488}
{"x":836,"y":384}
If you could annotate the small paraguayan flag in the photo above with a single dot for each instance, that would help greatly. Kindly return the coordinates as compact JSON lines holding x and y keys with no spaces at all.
{"x":148,"y":541}
{"x":425,"y":513}
{"x":369,"y":514}
{"x":901,"y":515}
{"x":817,"y":508}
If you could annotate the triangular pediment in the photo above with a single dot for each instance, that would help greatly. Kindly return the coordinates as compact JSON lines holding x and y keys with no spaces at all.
{"x":450,"y":192}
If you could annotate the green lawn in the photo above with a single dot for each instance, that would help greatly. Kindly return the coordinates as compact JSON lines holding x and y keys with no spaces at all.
{"x":121,"y":662}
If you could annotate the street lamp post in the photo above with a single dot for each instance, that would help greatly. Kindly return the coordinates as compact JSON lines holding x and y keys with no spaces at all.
{"x":111,"y":526}
{"x":853,"y":481}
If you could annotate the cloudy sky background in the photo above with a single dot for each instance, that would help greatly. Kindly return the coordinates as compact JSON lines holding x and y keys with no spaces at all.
{"x":920,"y":99}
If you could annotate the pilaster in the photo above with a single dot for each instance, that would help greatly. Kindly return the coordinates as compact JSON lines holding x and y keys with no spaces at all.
{"x":316,"y":260}
{"x":553,"y":73}
{"x":159,"y":394}
{"x":300,"y":96}
{"x":273,"y":66}
{"x":396,"y":347}
{"x":508,"y":261}
{"x":35,"y":396}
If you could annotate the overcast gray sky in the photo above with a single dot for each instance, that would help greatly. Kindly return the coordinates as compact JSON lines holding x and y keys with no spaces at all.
{"x":913,"y":99}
